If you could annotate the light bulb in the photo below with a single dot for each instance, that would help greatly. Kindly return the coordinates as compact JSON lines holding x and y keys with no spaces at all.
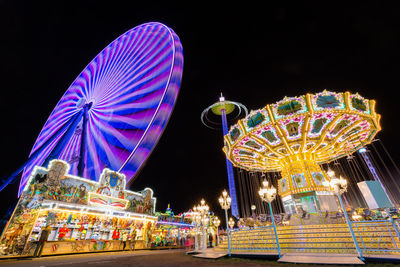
{"x":330,"y":172}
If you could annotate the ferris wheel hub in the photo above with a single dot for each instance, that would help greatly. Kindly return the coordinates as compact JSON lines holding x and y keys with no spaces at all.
{"x":89,"y":105}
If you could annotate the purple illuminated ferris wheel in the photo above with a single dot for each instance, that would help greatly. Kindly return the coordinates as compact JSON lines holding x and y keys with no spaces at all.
{"x":113,"y":114}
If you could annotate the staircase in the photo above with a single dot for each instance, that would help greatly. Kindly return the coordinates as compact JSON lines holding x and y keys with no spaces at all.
{"x":373,"y":238}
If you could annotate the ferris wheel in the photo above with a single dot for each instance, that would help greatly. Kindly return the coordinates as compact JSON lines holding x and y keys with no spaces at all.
{"x":114,"y":112}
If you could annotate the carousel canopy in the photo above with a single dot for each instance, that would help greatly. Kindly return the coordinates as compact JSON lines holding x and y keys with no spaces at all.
{"x":321,"y":127}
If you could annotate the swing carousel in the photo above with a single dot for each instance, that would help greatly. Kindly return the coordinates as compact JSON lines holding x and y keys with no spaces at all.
{"x":295,"y":136}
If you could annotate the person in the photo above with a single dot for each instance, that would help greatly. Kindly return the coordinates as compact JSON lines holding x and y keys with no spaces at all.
{"x":189,"y":242}
{"x":133,"y":239}
{"x":148,"y":237}
{"x":116,"y":234}
{"x":20,"y":244}
{"x":210,"y":240}
{"x":11,"y":236}
{"x":44,"y":235}
{"x":62,"y":232}
{"x":124,"y":239}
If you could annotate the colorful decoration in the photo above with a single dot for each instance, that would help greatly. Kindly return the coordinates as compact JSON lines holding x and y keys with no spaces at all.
{"x":318,"y":178}
{"x":299,"y":181}
{"x":283,"y":185}
{"x":110,"y":191}
{"x":55,"y":183}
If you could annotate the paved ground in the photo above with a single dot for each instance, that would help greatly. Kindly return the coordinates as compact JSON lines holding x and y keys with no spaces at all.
{"x":142,"y":258}
{"x":121,"y":259}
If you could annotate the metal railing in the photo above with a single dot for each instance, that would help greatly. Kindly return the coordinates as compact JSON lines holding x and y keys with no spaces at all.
{"x":376,"y":236}
{"x":253,"y":239}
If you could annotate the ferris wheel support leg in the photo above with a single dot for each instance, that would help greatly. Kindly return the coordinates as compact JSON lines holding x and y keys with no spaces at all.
{"x":56,"y":151}
{"x":33,"y":156}
{"x":81,"y":164}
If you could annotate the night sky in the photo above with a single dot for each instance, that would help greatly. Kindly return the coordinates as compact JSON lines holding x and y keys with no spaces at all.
{"x":254,"y":55}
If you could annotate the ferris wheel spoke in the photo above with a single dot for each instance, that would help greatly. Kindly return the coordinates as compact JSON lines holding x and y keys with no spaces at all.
{"x":113,"y":70}
{"x":153,"y":80}
{"x":107,"y":154}
{"x":125,"y":138}
{"x":56,"y":128}
{"x":133,"y":164}
{"x":101,"y":62}
{"x":133,"y":82}
{"x":36,"y":158}
{"x":149,"y":98}
{"x":152,"y":88}
{"x":139,"y":90}
{"x":131,"y":107}
{"x":125,"y":122}
{"x":147,"y":68}
{"x":143,"y":53}
{"x":113,"y":83}
{"x":110,"y":72}
{"x":152,"y":56}
{"x":59,"y":130}
{"x":71,"y":150}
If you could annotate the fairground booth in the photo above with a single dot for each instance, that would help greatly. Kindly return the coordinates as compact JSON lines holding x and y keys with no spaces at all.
{"x":84,"y":215}
{"x":172,"y":230}
{"x":184,"y":229}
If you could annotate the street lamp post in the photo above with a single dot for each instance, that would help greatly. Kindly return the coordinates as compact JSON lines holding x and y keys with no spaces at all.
{"x":203,"y":218}
{"x":197,"y":219}
{"x":204,"y":222}
{"x":217,"y":222}
{"x":225,"y":202}
{"x":339,"y":186}
{"x":268,"y":194}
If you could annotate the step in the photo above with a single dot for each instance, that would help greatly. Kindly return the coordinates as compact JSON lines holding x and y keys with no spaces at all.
{"x":320,"y":259}
{"x":334,"y":238}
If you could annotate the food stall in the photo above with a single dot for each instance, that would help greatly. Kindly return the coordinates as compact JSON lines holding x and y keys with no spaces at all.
{"x":83,"y":215}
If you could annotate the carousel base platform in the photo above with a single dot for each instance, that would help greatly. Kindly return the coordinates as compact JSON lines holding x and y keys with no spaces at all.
{"x":323,"y":243}
{"x":317,"y":258}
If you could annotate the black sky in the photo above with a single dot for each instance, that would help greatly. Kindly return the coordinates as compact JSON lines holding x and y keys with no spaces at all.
{"x":253,"y":54}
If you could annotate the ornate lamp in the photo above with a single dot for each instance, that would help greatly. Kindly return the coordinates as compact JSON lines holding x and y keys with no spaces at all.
{"x":231,"y":223}
{"x":268,"y":194}
{"x":225,"y":202}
